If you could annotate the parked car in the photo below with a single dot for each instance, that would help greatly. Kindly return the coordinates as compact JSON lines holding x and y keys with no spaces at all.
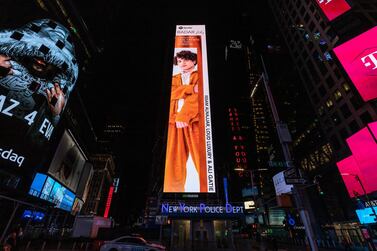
{"x":131,"y":243}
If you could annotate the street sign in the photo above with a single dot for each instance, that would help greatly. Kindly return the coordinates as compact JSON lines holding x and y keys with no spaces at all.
{"x":290,"y":173}
{"x":291,"y":181}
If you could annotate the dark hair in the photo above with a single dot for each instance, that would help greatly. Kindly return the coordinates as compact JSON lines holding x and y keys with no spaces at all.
{"x":187,"y":55}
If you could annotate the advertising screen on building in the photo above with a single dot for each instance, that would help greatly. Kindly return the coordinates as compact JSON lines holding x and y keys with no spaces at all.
{"x":358,"y":57}
{"x":366,"y":215}
{"x":348,"y":169}
{"x":358,"y":170}
{"x":38,"y":71}
{"x":364,"y":150}
{"x":68,"y":162}
{"x":189,"y":164}
{"x":333,"y":8}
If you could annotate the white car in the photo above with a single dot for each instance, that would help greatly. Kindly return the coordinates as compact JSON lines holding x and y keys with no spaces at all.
{"x":131,"y":243}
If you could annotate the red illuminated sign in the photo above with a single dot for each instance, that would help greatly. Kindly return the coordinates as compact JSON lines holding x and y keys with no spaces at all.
{"x":238,"y":140}
{"x":358,"y":170}
{"x":333,"y":8}
{"x":359,"y":59}
{"x":108,"y":202}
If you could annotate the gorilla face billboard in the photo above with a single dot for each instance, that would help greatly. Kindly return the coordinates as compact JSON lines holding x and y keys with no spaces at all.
{"x":38,"y":70}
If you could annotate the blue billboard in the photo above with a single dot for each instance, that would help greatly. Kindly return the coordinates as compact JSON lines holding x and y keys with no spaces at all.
{"x":366,"y":215}
{"x":49,"y":189}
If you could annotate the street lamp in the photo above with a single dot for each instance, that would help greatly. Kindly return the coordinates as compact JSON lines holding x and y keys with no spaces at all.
{"x":357,"y":178}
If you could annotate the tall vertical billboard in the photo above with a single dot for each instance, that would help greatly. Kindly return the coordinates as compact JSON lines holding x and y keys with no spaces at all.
{"x":359,"y":59}
{"x":38,"y":70}
{"x":189,"y":163}
{"x":333,"y":8}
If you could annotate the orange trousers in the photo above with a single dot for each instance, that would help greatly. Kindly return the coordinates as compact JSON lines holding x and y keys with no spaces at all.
{"x":181,"y":143}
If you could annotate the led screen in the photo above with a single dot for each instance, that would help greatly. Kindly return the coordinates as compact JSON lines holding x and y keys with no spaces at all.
{"x":34,"y":216}
{"x":276,"y":217}
{"x":364,"y":150}
{"x":68,"y":162}
{"x":333,"y":8}
{"x":348,"y":169}
{"x":38,"y":71}
{"x":189,"y":164}
{"x":366,"y":215}
{"x":54,"y":192}
{"x":37,"y":185}
{"x":358,"y":56}
{"x":47,"y":188}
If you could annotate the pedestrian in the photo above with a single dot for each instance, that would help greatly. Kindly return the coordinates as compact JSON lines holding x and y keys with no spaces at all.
{"x":11,"y":241}
{"x":274,"y":244}
{"x":347,"y":245}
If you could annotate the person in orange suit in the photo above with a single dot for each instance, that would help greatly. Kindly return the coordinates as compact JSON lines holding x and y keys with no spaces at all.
{"x":183,"y":133}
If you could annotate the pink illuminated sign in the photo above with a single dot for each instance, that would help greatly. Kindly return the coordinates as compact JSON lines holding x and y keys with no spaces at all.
{"x":359,"y":59}
{"x":364,"y":149}
{"x":359,"y":169}
{"x":333,"y":8}
{"x":348,"y":168}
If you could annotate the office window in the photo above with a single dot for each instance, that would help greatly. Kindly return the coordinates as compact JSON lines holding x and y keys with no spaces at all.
{"x":346,"y":87}
{"x":322,"y":90}
{"x":337,"y":95}
{"x":345,"y":111}
{"x":357,"y":102}
{"x":329,"y":103}
{"x":335,"y":118}
{"x":344,"y":133}
{"x":366,"y":118}
{"x":354,"y":127}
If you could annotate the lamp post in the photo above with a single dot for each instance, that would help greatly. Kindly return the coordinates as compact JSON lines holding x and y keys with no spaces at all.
{"x":357,"y":178}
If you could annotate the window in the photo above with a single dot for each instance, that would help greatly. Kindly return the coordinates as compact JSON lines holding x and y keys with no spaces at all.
{"x":344,"y":133}
{"x":335,"y":142}
{"x":322,"y":90}
{"x":357,"y":102}
{"x":337,"y":95}
{"x":366,"y":118}
{"x":329,"y":103}
{"x":345,"y":111}
{"x":330,"y":82}
{"x":335,"y":118}
{"x":354,"y":126}
{"x":346,"y":87}
{"x":321,"y":110}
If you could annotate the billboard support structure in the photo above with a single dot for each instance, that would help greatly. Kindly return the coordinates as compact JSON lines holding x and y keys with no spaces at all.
{"x":297,"y":192}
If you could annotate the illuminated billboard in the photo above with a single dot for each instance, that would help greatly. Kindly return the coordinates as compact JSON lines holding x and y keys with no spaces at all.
{"x":189,"y":163}
{"x":366,"y":215}
{"x":38,"y":71}
{"x":68,"y":162}
{"x":358,"y":57}
{"x":348,"y":169}
{"x":333,"y":8}
{"x":358,"y":170}
{"x":48,"y":189}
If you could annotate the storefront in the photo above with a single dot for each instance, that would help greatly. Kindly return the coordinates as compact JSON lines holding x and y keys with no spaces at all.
{"x":201,"y":226}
